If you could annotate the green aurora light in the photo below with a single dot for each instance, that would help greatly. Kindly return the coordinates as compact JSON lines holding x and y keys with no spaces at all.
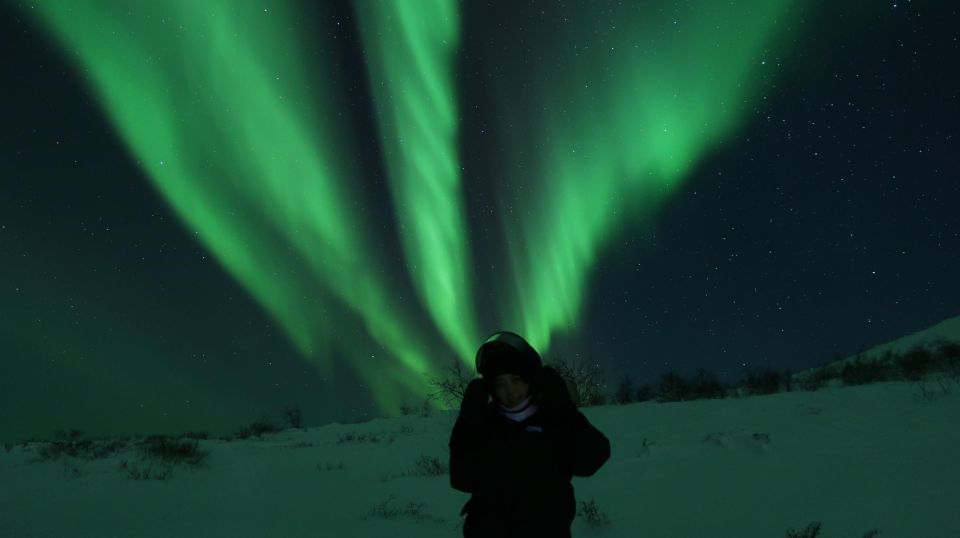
{"x":622,"y":111}
{"x":410,"y":49}
{"x":216,"y":101}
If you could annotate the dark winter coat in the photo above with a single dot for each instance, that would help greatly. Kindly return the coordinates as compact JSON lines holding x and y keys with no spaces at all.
{"x":519,"y":472}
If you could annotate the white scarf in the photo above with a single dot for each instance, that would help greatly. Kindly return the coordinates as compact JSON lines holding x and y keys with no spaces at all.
{"x":519,"y":412}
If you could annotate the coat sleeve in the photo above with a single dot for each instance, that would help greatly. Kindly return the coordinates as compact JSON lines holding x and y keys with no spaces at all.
{"x":466,"y":451}
{"x":585,"y":447}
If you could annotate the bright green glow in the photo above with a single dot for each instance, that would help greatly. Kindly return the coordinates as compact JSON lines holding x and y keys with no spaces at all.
{"x":612,"y":129}
{"x":214,"y":100}
{"x":409,"y":47}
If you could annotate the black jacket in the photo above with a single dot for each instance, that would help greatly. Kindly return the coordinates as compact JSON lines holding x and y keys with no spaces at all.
{"x":519,"y":472}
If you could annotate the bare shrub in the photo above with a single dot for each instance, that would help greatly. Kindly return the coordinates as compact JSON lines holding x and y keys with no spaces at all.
{"x":447,"y":389}
{"x":592,"y":514}
{"x":644,"y":393}
{"x":672,"y":388}
{"x":293,"y":416}
{"x":256,"y":429}
{"x":762,"y":381}
{"x":363,"y":438}
{"x":915,"y":363}
{"x":706,"y":386}
{"x":815,"y":381}
{"x":412,"y":510}
{"x":148,"y":471}
{"x":862,"y":371}
{"x":625,"y":391}
{"x":71,"y":443}
{"x":429,"y":466}
{"x":174,"y":452}
{"x":584,"y":380}
{"x":948,"y":354}
{"x":812,"y":531}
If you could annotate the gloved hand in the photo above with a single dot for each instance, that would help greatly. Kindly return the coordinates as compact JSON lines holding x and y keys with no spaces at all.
{"x":553,"y":392}
{"x":475,"y":398}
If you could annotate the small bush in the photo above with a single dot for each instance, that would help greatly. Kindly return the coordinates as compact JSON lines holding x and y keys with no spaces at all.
{"x":788,"y":381}
{"x":429,"y":466}
{"x":862,"y":372}
{"x":812,"y":531}
{"x":171,"y":451}
{"x":625,"y":392}
{"x":762,"y":381}
{"x":584,"y":380}
{"x":915,"y":363}
{"x":647,"y":448}
{"x":448,"y":389}
{"x":672,"y":388}
{"x":70,"y":443}
{"x":293,"y":416}
{"x":706,"y":386}
{"x":424,"y":466}
{"x":385,"y":511}
{"x":816,"y":381}
{"x":644,"y":393}
{"x":594,"y":517}
{"x":362,"y":438}
{"x":148,"y":471}
{"x":256,"y":429}
{"x":949,"y":354}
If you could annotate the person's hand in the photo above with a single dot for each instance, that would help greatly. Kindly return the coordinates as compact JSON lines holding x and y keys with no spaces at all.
{"x":475,"y":398}
{"x":553,"y":391}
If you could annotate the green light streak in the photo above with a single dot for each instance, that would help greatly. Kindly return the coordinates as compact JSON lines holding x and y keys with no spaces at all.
{"x":213,"y":99}
{"x":622,"y":111}
{"x":216,"y":100}
{"x":409,"y":47}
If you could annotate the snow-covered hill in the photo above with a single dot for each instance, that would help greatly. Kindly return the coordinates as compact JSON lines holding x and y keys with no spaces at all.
{"x":947,"y":330}
{"x":880,"y":456}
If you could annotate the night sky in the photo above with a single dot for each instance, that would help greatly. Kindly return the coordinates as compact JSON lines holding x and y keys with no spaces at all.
{"x":210,"y":211}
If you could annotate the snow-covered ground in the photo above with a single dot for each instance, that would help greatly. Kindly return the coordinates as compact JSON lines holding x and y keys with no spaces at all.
{"x":876,"y":457}
{"x":880,"y":456}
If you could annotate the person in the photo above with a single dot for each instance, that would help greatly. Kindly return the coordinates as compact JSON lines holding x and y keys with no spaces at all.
{"x":516,"y":454}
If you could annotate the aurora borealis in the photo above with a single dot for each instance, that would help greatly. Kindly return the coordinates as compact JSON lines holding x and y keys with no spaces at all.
{"x":358,"y":193}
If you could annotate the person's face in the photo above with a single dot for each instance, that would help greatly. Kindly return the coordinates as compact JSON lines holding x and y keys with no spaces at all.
{"x":510,"y":389}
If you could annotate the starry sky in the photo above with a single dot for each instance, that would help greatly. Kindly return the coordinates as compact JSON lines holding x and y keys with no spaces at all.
{"x":213,"y":211}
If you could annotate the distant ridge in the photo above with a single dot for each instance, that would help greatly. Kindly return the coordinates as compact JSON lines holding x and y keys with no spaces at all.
{"x":948,"y":329}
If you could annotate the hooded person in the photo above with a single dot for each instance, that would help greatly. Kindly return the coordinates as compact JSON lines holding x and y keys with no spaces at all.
{"x":516,"y":454}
